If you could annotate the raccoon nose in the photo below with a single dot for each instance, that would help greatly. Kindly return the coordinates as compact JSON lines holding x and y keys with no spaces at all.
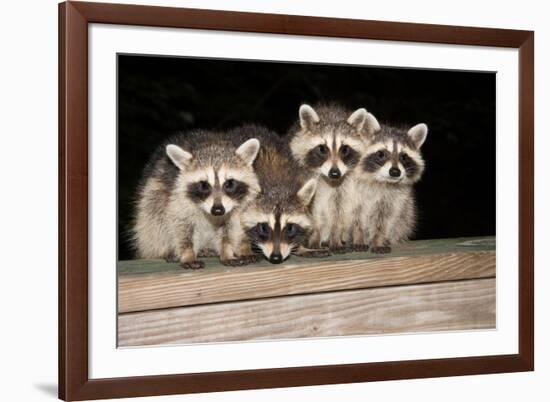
{"x":395,"y":172}
{"x":334,"y":173}
{"x":217,"y":210}
{"x":276,"y":258}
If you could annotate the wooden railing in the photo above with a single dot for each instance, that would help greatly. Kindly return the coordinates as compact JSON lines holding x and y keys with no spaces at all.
{"x":429,"y":285}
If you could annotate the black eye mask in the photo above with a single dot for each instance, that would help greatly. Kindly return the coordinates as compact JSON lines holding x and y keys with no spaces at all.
{"x":260,"y":233}
{"x":317,"y":156}
{"x":235,"y":189}
{"x":376,"y":160}
{"x":293,"y":233}
{"x":349,"y":156}
{"x":199,"y":191}
{"x":411,"y":167}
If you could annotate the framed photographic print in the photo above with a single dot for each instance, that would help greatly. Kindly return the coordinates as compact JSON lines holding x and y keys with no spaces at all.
{"x":258,"y":200}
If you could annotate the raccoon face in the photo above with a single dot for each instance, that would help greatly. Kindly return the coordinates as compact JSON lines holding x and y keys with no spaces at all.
{"x":330,"y":148}
{"x":217,"y":187}
{"x":277,"y":230}
{"x":394,"y":156}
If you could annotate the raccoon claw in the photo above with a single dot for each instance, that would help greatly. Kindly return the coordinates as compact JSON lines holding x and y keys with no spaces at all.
{"x":192,"y":265}
{"x":319,"y":253}
{"x":208,"y":253}
{"x":339,"y":250}
{"x":359,"y":247}
{"x":381,"y":250}
{"x":171,"y":258}
{"x":233,"y":262}
{"x":250,"y":258}
{"x":240,"y":261}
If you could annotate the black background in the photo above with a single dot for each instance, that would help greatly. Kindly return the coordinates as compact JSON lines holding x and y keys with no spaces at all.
{"x":159,"y":96}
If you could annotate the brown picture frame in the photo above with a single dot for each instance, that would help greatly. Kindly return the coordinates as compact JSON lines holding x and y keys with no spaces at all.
{"x":74,"y":381}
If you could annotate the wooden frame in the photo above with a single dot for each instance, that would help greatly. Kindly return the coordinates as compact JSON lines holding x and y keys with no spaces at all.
{"x":74,"y":382}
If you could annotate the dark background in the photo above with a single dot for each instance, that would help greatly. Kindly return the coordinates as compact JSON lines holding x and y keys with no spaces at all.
{"x":159,"y":96}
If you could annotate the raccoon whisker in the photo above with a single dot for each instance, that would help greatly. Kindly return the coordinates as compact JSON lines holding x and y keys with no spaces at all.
{"x":255,"y":249}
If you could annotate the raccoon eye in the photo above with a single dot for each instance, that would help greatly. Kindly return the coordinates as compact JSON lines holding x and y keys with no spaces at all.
{"x":229,"y":185}
{"x":290,"y":230}
{"x":322,"y":149}
{"x":263,"y":229}
{"x":404,"y":157}
{"x":381,"y":155}
{"x":344,"y":150}
{"x":204,"y":186}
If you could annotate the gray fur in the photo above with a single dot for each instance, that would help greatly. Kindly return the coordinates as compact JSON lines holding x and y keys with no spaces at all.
{"x":385,"y":210}
{"x":334,"y":128}
{"x":285,"y":198}
{"x":173,"y":224}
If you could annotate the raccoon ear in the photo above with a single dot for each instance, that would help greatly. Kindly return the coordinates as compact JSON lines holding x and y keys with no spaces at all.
{"x":308,"y":117}
{"x":371,"y":124}
{"x":178,"y":156}
{"x":418,"y":134}
{"x":248,"y":150}
{"x":358,"y":118}
{"x":306,"y":193}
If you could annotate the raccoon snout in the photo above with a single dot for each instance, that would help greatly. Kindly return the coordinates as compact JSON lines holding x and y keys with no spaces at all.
{"x":275,"y":258}
{"x":334,"y":173}
{"x":395,"y":172}
{"x":217,"y":210}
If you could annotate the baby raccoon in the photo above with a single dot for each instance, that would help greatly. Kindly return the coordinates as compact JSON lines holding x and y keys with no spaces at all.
{"x":191,"y":197}
{"x":330,"y":142}
{"x":278,"y":221}
{"x":387,"y":172}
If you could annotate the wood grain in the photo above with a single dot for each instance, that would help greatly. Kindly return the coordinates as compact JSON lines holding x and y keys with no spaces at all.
{"x":300,"y":25}
{"x":149,"y":289}
{"x":431,"y":307}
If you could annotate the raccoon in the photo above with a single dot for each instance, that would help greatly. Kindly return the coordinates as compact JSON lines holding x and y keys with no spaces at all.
{"x":278,"y":220}
{"x":190,"y":199}
{"x":386,"y":174}
{"x":330,"y":141}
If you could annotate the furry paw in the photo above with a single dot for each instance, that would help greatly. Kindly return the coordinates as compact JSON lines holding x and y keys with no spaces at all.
{"x":250,"y":259}
{"x":233,"y":262}
{"x":340,"y":250}
{"x":359,"y":247}
{"x":240,"y":261}
{"x":192,"y":265}
{"x":171,"y":258}
{"x":381,"y":250}
{"x":208,"y":253}
{"x":317,"y":253}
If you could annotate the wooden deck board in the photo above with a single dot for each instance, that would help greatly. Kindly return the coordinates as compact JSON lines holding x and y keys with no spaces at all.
{"x":460,"y":305}
{"x":153,"y":284}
